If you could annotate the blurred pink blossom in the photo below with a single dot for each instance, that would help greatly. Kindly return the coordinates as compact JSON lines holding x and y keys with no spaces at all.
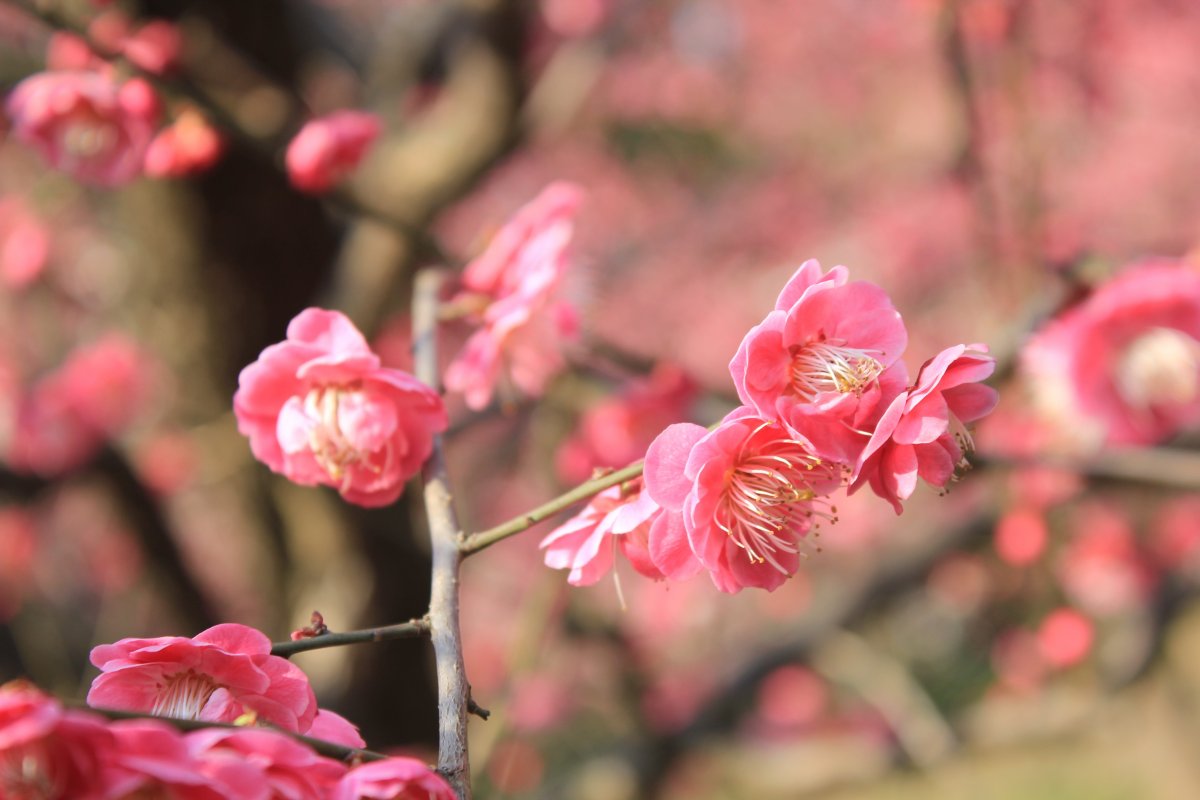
{"x":1128,"y":356}
{"x":1102,"y":569}
{"x":24,"y":244}
{"x":1065,"y":638}
{"x":572,"y":18}
{"x":1020,"y":537}
{"x":329,"y":148}
{"x":616,"y":431}
{"x":396,"y":778}
{"x":618,"y":517}
{"x":737,"y":500}
{"x":41,"y":746}
{"x":923,"y":430}
{"x":152,"y":759}
{"x":85,"y":123}
{"x":1175,"y":534}
{"x":320,"y":409}
{"x":511,"y":290}
{"x":290,"y":770}
{"x":219,"y":675}
{"x":18,"y":548}
{"x":187,"y":147}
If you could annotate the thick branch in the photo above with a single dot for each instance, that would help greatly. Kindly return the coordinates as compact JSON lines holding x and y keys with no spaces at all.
{"x":478,"y":541}
{"x":385,"y":633}
{"x":453,"y":691}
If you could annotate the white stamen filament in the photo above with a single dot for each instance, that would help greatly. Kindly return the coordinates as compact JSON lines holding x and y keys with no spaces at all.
{"x":768,"y":493}
{"x":826,"y":366}
{"x":183,"y":696}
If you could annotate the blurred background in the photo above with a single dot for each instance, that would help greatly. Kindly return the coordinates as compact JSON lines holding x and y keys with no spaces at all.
{"x":1030,"y":634}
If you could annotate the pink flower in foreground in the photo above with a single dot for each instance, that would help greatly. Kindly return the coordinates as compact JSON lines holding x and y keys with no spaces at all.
{"x":393,"y":779}
{"x":151,"y":759}
{"x":85,"y":123}
{"x":219,"y":675}
{"x":290,"y":770}
{"x":817,"y":360}
{"x":618,"y":517}
{"x":320,"y":409}
{"x":737,"y":500}
{"x":24,"y":244}
{"x":511,"y":291}
{"x":617,"y":431}
{"x":1128,"y":356}
{"x":333,"y":727}
{"x":47,"y":753}
{"x":922,"y":431}
{"x":187,"y":147}
{"x":329,"y":148}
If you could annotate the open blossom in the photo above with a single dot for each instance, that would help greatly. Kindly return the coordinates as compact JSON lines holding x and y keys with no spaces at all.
{"x":738,"y":500}
{"x":393,"y":779}
{"x":151,"y":759}
{"x":820,"y":361}
{"x":46,"y":752}
{"x":333,"y":727}
{"x":220,"y":675}
{"x":328,"y":149}
{"x":85,"y":123}
{"x":511,"y":291}
{"x":290,"y":770}
{"x":1128,"y":356}
{"x":923,"y":431}
{"x":618,"y":517}
{"x":320,"y":409}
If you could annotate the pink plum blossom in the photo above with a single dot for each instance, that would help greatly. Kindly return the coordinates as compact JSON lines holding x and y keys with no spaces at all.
{"x":511,"y":291}
{"x":396,"y":778}
{"x":152,"y":759}
{"x":617,"y":431}
{"x":85,"y":123}
{"x":47,"y":753}
{"x":188,"y":147}
{"x":1065,"y":637}
{"x":618,"y":517}
{"x":333,"y":727}
{"x":922,"y":431}
{"x":220,"y":675}
{"x":24,"y":244}
{"x":1102,"y":569}
{"x":290,"y":770}
{"x":320,"y":409}
{"x":329,"y":148}
{"x":818,"y":359}
{"x":737,"y":500}
{"x":1128,"y":356}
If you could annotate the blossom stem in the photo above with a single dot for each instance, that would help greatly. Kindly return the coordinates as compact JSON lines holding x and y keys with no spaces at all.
{"x":320,"y":746}
{"x":385,"y":633}
{"x":483,"y":539}
{"x":454,"y":693}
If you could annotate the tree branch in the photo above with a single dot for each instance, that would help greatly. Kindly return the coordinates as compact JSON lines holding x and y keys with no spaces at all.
{"x":478,"y":541}
{"x":453,"y":691}
{"x":385,"y":633}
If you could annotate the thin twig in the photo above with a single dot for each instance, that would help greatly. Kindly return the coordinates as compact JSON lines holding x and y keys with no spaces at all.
{"x":478,"y":541}
{"x":1158,"y":466}
{"x":385,"y":633}
{"x":325,"y":748}
{"x":453,"y":691}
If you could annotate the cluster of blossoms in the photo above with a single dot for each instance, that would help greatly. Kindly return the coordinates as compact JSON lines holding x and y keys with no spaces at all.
{"x":224,"y":675}
{"x":51,"y":753}
{"x":826,"y":404}
{"x":100,"y":129}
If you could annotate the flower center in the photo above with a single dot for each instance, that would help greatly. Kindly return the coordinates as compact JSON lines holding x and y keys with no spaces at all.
{"x":328,"y":442}
{"x":769,"y":492}
{"x":184,"y":695}
{"x":1158,"y":368}
{"x":24,"y":774}
{"x":826,"y":366}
